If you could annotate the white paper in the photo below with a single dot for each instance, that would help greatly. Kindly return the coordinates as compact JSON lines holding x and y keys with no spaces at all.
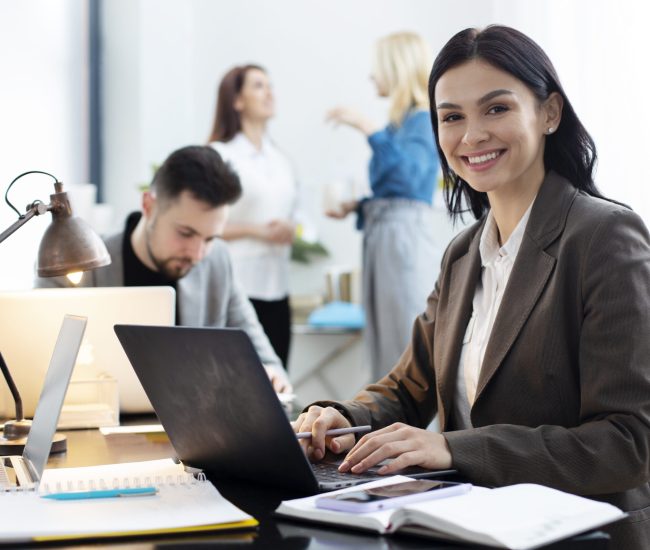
{"x":27,"y":515}
{"x":144,"y":429}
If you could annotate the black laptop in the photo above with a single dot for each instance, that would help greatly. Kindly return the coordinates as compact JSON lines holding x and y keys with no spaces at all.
{"x":216,"y":403}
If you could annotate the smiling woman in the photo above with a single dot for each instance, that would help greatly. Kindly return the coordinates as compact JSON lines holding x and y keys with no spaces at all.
{"x":533,"y":357}
{"x":490,"y":128}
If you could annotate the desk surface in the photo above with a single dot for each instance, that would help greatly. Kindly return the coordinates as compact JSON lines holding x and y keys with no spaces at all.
{"x":90,"y":447}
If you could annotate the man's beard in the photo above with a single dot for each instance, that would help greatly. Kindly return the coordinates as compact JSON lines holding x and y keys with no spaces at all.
{"x":174,"y":272}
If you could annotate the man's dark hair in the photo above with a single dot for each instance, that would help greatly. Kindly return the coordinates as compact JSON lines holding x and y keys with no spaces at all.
{"x":200,"y":170}
{"x":569,"y":151}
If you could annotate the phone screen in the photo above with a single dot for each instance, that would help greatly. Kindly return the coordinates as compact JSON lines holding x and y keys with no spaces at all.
{"x":394,"y":490}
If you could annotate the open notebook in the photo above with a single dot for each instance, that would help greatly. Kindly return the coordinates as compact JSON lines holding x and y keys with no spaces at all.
{"x":519,"y":517}
{"x":183,"y":503}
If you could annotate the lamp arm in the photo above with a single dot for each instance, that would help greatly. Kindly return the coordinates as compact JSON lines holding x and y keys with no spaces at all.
{"x":12,"y":388}
{"x":35,"y":209}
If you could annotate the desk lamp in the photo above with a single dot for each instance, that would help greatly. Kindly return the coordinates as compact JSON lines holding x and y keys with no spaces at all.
{"x":68,"y":245}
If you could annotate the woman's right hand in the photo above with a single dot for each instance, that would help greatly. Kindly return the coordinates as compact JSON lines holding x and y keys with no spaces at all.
{"x":318,"y":420}
{"x":343,"y":210}
{"x":352,"y":118}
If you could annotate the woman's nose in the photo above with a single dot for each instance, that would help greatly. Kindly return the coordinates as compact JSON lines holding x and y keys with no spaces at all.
{"x":475,"y":133}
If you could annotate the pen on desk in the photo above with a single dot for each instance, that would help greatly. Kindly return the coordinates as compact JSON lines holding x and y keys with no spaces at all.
{"x":337,"y":431}
{"x":103,"y":493}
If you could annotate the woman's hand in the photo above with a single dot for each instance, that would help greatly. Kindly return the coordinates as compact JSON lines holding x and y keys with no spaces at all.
{"x":279,"y":379}
{"x":343,"y":210}
{"x":318,"y":420}
{"x":408,"y":446}
{"x":275,"y":231}
{"x":352,"y":118}
{"x":278,"y":232}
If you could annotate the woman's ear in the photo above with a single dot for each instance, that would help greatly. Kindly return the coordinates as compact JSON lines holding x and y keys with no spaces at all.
{"x":238,"y":104}
{"x":552,"y":109}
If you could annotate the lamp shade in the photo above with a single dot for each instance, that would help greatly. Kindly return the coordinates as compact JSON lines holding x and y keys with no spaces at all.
{"x":69,"y":244}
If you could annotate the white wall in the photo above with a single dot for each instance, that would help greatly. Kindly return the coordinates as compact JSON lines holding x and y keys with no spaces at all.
{"x":165,"y":58}
{"x":42,"y":116}
{"x":600,"y":50}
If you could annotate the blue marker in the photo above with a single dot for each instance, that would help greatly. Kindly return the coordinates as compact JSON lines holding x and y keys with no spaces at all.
{"x":104,"y":493}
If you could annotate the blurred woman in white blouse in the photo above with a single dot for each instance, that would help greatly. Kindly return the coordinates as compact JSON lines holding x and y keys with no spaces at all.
{"x":261,"y":225}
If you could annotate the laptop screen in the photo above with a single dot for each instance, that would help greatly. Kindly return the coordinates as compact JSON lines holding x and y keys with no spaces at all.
{"x":33,"y":316}
{"x":55,"y":386}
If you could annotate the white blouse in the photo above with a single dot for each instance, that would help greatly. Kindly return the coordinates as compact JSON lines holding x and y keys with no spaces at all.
{"x":269,"y":193}
{"x":497,"y":262}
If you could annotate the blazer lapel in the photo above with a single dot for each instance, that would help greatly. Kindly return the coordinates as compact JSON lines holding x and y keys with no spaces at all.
{"x":530,"y":273}
{"x":465,"y":274}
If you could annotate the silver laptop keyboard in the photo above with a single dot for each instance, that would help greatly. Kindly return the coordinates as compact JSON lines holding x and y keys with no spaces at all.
{"x":7,"y":480}
{"x":14,"y":474}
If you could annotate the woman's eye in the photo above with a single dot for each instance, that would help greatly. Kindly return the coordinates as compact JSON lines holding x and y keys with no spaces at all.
{"x":451,"y":117}
{"x":496,"y":109}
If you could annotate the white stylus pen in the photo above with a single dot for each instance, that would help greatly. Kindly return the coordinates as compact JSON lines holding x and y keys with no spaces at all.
{"x":337,"y":431}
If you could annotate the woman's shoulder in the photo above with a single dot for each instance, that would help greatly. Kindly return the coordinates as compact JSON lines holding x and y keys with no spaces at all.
{"x":224,"y":148}
{"x":229,"y":146}
{"x":589,"y":211}
{"x":608,"y":223}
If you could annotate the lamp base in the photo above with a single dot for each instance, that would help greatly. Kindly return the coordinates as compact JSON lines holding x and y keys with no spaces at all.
{"x":16,"y":446}
{"x":14,"y":438}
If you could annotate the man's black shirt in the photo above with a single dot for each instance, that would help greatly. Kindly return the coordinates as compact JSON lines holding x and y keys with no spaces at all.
{"x":135,"y":272}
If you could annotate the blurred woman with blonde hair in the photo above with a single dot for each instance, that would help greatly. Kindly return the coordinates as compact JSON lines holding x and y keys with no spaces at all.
{"x":399,"y":266}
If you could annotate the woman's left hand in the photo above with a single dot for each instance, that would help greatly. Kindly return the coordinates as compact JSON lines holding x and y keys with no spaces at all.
{"x":408,"y":446}
{"x":350,"y":117}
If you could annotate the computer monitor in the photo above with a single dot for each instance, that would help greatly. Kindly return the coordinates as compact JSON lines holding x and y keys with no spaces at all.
{"x":30,"y":321}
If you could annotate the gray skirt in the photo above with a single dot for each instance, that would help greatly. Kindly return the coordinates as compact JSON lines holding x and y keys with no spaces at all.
{"x":400,"y":266}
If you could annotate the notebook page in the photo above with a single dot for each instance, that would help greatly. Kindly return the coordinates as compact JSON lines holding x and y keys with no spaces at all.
{"x":518,"y":516}
{"x":178,"y":506}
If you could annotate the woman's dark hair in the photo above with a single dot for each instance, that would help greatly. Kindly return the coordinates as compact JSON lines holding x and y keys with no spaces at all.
{"x":569,"y":151}
{"x":227,"y":121}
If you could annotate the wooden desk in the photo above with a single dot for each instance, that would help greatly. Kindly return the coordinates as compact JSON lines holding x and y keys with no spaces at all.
{"x":89,"y":447}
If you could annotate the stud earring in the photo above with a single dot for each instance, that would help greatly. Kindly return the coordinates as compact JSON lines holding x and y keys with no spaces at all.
{"x":550,"y":130}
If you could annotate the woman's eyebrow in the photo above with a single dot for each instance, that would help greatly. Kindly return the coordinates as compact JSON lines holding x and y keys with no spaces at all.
{"x":487,"y":97}
{"x":491,"y":95}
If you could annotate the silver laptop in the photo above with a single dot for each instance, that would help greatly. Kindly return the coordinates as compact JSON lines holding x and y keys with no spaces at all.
{"x":101,"y":354}
{"x":214,"y":399}
{"x":25,"y":471}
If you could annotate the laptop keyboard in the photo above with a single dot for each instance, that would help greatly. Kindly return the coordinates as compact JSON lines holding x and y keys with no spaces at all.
{"x":6,"y":482}
{"x":328,"y":472}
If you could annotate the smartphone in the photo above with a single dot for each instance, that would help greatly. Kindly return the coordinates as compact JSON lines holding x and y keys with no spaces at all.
{"x":391,"y":496}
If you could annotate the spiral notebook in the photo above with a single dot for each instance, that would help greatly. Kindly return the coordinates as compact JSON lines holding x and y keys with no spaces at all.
{"x":183,"y":503}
